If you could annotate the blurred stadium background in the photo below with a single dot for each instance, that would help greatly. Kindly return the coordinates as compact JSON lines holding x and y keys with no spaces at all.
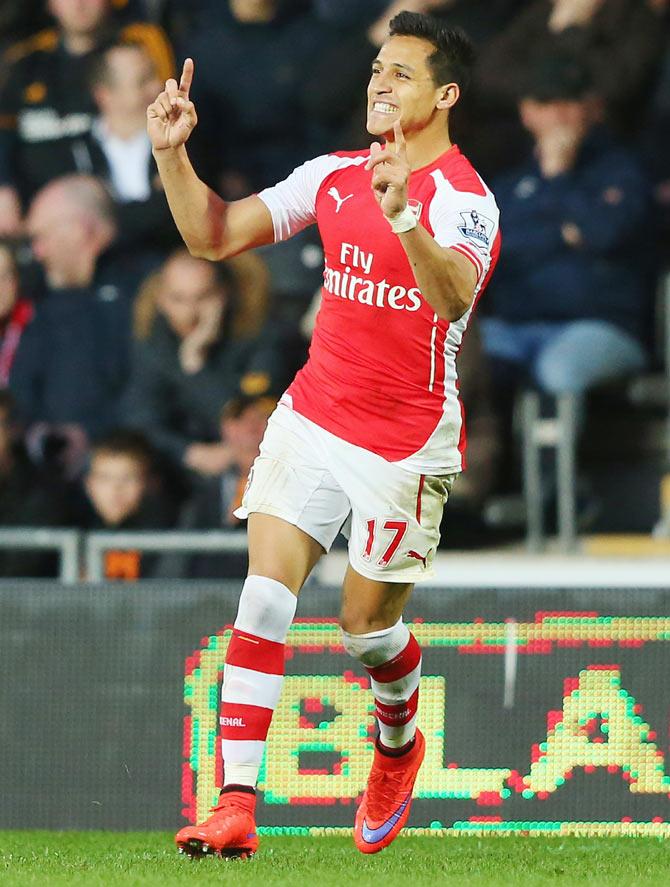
{"x":135,"y":383}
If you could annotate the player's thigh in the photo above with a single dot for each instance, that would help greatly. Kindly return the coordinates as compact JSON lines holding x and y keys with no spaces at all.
{"x":395,"y":521}
{"x":281,"y":551}
{"x":371,"y":605}
{"x":294,"y":505}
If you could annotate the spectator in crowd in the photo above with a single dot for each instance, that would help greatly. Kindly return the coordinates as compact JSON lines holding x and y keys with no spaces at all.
{"x":27,"y":498}
{"x":71,"y":365}
{"x":124,"y":82}
{"x":243,"y":423}
{"x":213,"y":506}
{"x":15,"y":311}
{"x":570,"y":303}
{"x":253,"y":126}
{"x":45,"y":103}
{"x":120,"y":494}
{"x":191,"y":363}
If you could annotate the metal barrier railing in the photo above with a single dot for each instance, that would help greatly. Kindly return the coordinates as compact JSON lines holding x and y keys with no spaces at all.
{"x":492,"y":569}
{"x":77,"y":549}
{"x":166,"y":541}
{"x":66,"y":542}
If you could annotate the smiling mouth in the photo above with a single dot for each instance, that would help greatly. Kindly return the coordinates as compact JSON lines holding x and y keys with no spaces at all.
{"x":384,"y":108}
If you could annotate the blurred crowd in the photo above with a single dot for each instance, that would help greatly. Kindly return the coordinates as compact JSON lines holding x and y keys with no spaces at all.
{"x":136,"y":380}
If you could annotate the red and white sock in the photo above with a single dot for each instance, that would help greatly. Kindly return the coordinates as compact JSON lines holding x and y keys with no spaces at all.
{"x":392,"y":658}
{"x":253,"y":676}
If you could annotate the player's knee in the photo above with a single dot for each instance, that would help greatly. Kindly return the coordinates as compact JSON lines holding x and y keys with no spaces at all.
{"x":263,"y":601}
{"x":373,"y":648}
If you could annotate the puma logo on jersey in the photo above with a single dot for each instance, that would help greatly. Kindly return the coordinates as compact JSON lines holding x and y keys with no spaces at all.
{"x":335,"y":194}
{"x":419,"y":557}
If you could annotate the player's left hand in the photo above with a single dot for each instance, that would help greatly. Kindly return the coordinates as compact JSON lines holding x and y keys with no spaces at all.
{"x":390,"y":173}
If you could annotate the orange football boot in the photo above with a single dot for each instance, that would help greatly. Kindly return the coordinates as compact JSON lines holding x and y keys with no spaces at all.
{"x":229,"y":832}
{"x":388,"y":797}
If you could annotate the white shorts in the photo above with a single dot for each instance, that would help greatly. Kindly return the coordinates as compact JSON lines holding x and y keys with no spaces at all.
{"x":322,"y":484}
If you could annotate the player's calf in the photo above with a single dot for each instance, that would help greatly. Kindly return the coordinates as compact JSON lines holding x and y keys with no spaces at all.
{"x":392,"y":658}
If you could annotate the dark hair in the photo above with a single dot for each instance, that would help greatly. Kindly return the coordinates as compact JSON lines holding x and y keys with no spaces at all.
{"x":454,"y":55}
{"x":558,"y":77}
{"x":125,"y":442}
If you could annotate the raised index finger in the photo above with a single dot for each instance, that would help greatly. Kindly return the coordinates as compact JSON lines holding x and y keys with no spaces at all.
{"x":399,"y":139}
{"x":186,"y":77}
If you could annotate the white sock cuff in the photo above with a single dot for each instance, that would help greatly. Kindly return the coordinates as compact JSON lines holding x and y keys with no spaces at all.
{"x":377,"y":647}
{"x":266,"y":608}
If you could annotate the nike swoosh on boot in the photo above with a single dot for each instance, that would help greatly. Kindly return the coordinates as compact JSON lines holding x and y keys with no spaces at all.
{"x":373,"y":835}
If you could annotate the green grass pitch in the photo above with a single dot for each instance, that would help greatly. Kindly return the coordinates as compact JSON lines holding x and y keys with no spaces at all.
{"x":110,"y":858}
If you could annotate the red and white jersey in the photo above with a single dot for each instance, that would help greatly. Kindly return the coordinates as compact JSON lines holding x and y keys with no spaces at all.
{"x":381,"y":372}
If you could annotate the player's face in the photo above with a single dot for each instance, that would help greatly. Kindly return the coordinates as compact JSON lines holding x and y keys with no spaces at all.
{"x":116,"y":485}
{"x":401,"y":87}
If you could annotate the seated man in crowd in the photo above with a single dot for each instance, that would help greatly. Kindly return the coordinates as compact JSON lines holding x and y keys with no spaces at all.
{"x":71,"y":365}
{"x":570,"y":305}
{"x":191,"y":364}
{"x":46,"y":107}
{"x":28,"y":498}
{"x":15,"y":311}
{"x":124,"y":83}
{"x":120,"y":494}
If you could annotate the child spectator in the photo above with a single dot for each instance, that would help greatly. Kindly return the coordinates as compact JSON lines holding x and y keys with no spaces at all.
{"x":120,"y":494}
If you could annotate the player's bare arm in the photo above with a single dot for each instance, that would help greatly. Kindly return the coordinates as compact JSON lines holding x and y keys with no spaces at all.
{"x":211,"y":228}
{"x":447,"y":279}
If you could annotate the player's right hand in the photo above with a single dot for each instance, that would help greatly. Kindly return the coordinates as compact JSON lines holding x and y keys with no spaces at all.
{"x":172,"y":118}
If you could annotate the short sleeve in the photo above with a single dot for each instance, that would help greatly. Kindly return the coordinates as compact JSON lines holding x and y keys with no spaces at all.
{"x":292,"y":202}
{"x":465,"y":221}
